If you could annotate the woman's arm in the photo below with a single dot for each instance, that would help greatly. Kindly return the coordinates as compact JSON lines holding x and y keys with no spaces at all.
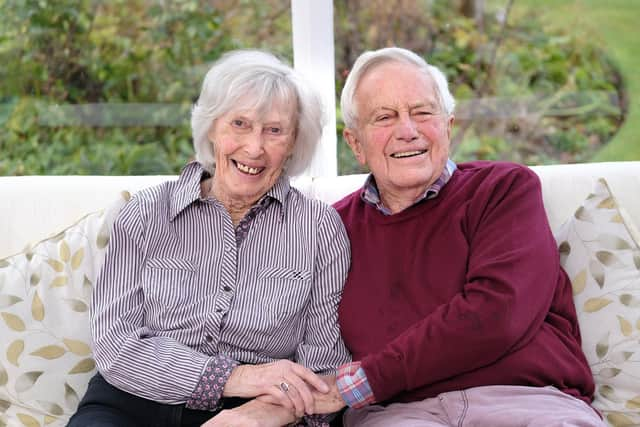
{"x":128,"y":353}
{"x":322,"y":349}
{"x":253,"y":414}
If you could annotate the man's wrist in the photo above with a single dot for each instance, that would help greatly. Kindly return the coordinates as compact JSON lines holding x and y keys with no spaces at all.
{"x":353,"y":385}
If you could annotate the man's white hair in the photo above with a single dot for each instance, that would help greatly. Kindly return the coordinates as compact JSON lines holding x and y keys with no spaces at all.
{"x":369,"y":60}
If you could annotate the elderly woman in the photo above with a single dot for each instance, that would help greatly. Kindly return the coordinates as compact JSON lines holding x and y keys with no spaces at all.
{"x":223,"y":286}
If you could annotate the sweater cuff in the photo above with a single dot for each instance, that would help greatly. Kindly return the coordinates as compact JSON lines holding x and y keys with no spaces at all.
{"x":207,"y":395}
{"x":353,"y":385}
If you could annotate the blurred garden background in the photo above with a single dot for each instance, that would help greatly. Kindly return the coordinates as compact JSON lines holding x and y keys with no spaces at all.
{"x":105,"y":87}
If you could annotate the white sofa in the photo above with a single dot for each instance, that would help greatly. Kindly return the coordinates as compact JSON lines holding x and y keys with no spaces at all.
{"x":53,"y":231}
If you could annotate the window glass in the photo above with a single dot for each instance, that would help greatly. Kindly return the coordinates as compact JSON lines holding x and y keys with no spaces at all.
{"x":106,"y":87}
{"x":535,"y":85}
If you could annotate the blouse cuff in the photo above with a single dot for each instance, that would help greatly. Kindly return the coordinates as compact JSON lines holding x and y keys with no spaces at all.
{"x":207,"y":396}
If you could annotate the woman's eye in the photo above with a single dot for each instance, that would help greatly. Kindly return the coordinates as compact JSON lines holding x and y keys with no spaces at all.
{"x":239,"y":123}
{"x":274,"y":130}
{"x":383,"y":118}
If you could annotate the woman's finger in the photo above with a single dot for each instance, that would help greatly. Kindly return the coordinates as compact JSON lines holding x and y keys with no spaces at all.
{"x":310,"y":377}
{"x":304,"y":393}
{"x":289,"y":389}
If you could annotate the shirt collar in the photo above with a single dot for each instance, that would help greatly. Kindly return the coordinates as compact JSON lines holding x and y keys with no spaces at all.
{"x":187,"y":189}
{"x":371,"y":195}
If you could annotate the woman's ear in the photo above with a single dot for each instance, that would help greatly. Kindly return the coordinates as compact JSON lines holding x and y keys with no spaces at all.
{"x":211,"y":132}
{"x":354,"y":142}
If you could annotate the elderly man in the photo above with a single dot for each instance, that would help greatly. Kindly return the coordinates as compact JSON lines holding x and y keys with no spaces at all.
{"x":456,"y":309}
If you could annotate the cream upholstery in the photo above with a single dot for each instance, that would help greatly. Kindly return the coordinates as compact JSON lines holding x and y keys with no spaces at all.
{"x":33,"y":207}
{"x":45,"y":360}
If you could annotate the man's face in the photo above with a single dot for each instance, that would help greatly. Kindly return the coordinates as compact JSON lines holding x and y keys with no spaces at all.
{"x":403,"y":134}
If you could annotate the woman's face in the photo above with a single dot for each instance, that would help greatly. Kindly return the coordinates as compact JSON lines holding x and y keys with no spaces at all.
{"x":250,"y":151}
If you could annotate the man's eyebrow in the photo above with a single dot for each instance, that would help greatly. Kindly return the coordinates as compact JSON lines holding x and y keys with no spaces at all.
{"x":429,"y":104}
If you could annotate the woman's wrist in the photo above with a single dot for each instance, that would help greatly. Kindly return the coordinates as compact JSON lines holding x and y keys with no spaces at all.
{"x":234,"y":385}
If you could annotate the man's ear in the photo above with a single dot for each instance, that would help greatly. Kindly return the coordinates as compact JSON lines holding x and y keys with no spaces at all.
{"x":450,"y":125}
{"x":356,"y":145}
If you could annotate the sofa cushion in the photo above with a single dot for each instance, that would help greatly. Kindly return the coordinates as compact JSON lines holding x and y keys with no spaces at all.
{"x":45,"y":356}
{"x":602,"y":258}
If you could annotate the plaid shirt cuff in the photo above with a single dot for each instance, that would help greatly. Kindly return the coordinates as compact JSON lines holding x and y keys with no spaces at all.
{"x":353,"y":385}
{"x":207,"y":395}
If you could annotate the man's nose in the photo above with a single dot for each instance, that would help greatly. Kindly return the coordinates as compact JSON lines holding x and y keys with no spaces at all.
{"x":406,"y":128}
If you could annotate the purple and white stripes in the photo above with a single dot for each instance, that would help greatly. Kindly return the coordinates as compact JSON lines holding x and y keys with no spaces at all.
{"x":177,"y":289}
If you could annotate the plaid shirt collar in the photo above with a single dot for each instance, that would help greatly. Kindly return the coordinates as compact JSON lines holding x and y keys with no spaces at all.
{"x":371,"y":195}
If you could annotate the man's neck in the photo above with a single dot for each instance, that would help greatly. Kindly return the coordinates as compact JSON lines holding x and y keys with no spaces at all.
{"x":397,"y":201}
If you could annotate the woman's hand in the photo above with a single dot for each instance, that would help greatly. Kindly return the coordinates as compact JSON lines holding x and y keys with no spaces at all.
{"x":283,"y":383}
{"x":252,"y":414}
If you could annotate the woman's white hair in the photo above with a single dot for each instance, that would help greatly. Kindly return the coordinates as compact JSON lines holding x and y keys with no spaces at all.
{"x":373,"y":58}
{"x":254,"y":79}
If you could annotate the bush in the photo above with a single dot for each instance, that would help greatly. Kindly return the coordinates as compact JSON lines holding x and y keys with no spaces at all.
{"x":523,"y":94}
{"x":134,"y":53}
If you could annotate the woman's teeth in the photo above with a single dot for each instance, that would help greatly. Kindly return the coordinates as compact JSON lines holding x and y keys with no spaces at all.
{"x":248,"y":169}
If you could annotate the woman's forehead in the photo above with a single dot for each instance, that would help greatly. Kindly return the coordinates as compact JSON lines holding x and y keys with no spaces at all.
{"x":267,"y":110}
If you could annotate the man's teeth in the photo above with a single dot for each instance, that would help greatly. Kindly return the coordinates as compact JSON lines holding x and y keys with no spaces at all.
{"x":408,"y":154}
{"x":247,"y":169}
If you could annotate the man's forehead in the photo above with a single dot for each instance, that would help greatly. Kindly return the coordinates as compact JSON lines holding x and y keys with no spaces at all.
{"x":398,"y":80}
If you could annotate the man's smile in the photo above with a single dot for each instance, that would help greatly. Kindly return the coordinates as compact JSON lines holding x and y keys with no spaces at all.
{"x":405,"y":154}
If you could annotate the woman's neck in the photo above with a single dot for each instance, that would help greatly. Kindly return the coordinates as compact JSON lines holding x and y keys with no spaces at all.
{"x":237,"y":209}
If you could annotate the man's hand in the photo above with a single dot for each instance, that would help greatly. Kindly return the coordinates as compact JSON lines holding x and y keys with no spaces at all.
{"x":252,"y":414}
{"x":324,"y":403}
{"x":332,"y":401}
{"x":282,"y":383}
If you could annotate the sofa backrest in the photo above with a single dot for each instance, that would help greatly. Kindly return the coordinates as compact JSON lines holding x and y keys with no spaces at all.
{"x":35,"y":207}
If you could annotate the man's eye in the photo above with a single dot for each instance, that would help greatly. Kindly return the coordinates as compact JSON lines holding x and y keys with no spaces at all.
{"x":383,"y":118}
{"x":423,"y":114}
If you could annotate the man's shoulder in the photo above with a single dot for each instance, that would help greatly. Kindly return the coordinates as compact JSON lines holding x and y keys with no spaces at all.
{"x":348,"y":202}
{"x":486,"y":169}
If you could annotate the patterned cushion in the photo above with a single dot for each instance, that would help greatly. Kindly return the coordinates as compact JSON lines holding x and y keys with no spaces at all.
{"x":601,"y":257}
{"x":45,"y":358}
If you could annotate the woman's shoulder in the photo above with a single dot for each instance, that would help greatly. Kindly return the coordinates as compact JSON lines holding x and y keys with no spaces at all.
{"x":306,"y":208}
{"x":155,"y":194}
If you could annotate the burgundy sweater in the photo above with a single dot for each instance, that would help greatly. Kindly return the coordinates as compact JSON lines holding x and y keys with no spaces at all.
{"x":460,"y":291}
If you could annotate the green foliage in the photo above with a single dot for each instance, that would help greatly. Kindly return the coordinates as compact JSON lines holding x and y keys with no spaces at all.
{"x":75,"y":52}
{"x":546,"y":96}
{"x":524,"y":93}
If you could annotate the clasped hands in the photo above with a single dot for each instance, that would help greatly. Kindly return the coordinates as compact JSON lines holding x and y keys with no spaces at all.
{"x":283,"y":390}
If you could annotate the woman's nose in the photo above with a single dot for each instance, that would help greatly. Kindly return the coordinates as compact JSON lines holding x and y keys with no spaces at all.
{"x":253,"y":144}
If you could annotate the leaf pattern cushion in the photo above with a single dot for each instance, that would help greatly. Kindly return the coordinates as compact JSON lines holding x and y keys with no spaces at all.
{"x":600,"y":255}
{"x":45,"y":357}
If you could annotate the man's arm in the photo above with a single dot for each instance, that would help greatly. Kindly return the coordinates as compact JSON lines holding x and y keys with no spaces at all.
{"x":511,"y":276}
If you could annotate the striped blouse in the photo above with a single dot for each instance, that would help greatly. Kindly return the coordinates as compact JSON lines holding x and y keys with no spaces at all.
{"x":178,"y":296}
